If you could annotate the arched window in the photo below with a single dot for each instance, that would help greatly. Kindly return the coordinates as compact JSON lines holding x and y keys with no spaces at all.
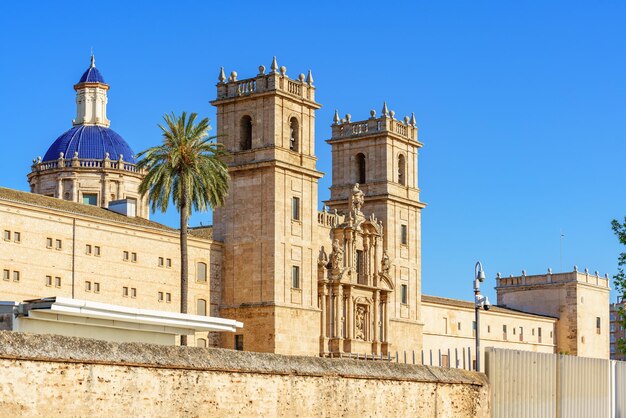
{"x":401,"y":170}
{"x":294,"y":134}
{"x":360,"y":168}
{"x":201,"y":272}
{"x":246,"y":133}
{"x":201,"y":307}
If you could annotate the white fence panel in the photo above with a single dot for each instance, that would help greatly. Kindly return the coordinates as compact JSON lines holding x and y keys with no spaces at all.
{"x":584,"y":387}
{"x":523,"y":383}
{"x":619,"y":368}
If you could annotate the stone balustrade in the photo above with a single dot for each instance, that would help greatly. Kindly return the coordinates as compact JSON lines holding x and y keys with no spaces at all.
{"x":85,"y":163}
{"x":572,"y":276}
{"x":330,"y":219}
{"x":346,"y":128}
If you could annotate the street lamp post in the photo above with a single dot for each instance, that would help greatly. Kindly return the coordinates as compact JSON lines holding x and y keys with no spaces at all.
{"x":479,"y":301}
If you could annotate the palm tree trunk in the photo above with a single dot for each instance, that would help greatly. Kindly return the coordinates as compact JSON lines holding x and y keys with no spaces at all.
{"x":184,"y":265}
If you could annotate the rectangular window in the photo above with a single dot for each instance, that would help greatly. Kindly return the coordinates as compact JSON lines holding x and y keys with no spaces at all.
{"x":521,"y":333}
{"x":96,"y":251}
{"x":201,"y":272}
{"x":488,"y":329}
{"x":404,"y":297}
{"x":125,"y":291}
{"x":201,"y":342}
{"x":48,"y":242}
{"x":168,"y":263}
{"x":201,"y":307}
{"x":445,"y":361}
{"x":473,"y":328}
{"x":404,"y":239}
{"x":133,"y":292}
{"x":59,"y":244}
{"x":17,"y":237}
{"x":445,"y":325}
{"x":160,"y":296}
{"x":458,"y":326}
{"x":5,"y":274}
{"x":16,"y":276}
{"x":7,"y":235}
{"x":504,"y":336}
{"x":295,"y":277}
{"x":88,"y":249}
{"x":96,"y":287}
{"x":57,"y":282}
{"x":598,"y":327}
{"x":48,"y":281}
{"x":532,"y":332}
{"x":360,"y":267}
{"x":161,"y":261}
{"x":125,"y":255}
{"x":295,"y":208}
{"x":133,"y":257}
{"x":538,"y":334}
{"x":87,"y":286}
{"x":90,"y":199}
{"x":239,"y":342}
{"x":168,"y":297}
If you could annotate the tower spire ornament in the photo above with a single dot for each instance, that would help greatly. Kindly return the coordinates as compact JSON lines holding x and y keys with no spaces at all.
{"x":309,"y":78}
{"x":336,"y":118}
{"x":274,"y":66}
{"x":222,"y":76}
{"x":385,"y":110}
{"x":93,"y":60}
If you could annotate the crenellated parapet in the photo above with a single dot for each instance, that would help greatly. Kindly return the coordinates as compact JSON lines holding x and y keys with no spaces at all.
{"x":387,"y":123}
{"x":575,"y":276}
{"x":274,"y":81}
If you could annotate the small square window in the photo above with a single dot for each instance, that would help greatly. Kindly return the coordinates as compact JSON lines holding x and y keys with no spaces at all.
{"x":90,"y":199}
{"x":96,"y":251}
{"x":5,"y":274}
{"x":96,"y":287}
{"x":133,"y":292}
{"x":48,"y":242}
{"x":125,"y":291}
{"x":295,"y":277}
{"x":16,"y":276}
{"x":59,"y":244}
{"x":87,"y":286}
{"x":295,"y":208}
{"x":168,"y":297}
{"x":168,"y":263}
{"x":48,"y":281}
{"x":88,"y":249}
{"x":133,"y":257}
{"x":17,"y":237}
{"x":7,"y":235}
{"x":57,"y":282}
{"x":160,"y":296}
{"x":404,"y":240}
{"x":161,"y":261}
{"x":125,"y":256}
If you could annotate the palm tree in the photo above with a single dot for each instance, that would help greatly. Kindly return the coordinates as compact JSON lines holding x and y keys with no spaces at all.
{"x":188,"y":168}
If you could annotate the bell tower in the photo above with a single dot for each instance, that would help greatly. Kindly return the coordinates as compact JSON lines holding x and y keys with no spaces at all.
{"x":269,"y":274}
{"x":380,"y":154}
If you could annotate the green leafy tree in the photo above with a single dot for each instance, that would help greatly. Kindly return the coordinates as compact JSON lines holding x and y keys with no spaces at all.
{"x":620,"y":278}
{"x":188,"y":168}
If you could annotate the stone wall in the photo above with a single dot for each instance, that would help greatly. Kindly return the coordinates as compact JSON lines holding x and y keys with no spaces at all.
{"x":53,"y":375}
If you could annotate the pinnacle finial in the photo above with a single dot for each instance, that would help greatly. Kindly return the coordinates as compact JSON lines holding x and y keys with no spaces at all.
{"x":336,"y":118}
{"x":385,"y":110}
{"x":222,"y":76}
{"x":309,"y":78}
{"x":93,"y":61}
{"x":413,"y":122}
{"x":274,"y":66}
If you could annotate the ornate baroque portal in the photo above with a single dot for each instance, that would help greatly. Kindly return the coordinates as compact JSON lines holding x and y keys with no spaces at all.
{"x":354,"y":285}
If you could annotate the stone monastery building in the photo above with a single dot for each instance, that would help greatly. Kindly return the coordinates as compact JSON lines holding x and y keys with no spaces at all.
{"x":346,"y":279}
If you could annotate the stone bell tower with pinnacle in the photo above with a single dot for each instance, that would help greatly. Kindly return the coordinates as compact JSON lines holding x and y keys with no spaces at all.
{"x":269,"y":275}
{"x":380,"y":154}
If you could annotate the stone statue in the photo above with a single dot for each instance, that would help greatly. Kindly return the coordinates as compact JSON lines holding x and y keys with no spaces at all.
{"x":323,"y":258}
{"x":360,"y":323}
{"x":386,"y":263}
{"x":336,"y":256}
{"x":358,"y":198}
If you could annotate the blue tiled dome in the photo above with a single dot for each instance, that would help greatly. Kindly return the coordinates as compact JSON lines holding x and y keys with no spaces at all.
{"x":91,"y":142}
{"x":92,"y":75}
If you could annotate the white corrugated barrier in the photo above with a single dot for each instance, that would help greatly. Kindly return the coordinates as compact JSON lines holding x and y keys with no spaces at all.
{"x":526,"y":384}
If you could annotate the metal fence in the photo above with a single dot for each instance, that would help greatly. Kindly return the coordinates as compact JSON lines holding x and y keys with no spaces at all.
{"x":458,"y":358}
{"x":526,"y":384}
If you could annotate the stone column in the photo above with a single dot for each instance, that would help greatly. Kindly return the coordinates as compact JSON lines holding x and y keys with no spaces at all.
{"x":376,"y":297}
{"x":75,"y":189}
{"x":322,"y":297}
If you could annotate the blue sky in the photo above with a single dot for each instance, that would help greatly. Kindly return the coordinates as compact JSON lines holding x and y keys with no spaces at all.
{"x":521,"y":105}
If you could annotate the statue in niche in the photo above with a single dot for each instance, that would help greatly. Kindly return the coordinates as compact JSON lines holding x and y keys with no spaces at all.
{"x":336,"y":256}
{"x":386,"y":263}
{"x":323,"y":258}
{"x":358,"y":198}
{"x":360,"y":323}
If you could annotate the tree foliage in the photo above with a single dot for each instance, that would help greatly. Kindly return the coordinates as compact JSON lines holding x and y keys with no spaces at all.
{"x":620,"y":278}
{"x":188,"y":168}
